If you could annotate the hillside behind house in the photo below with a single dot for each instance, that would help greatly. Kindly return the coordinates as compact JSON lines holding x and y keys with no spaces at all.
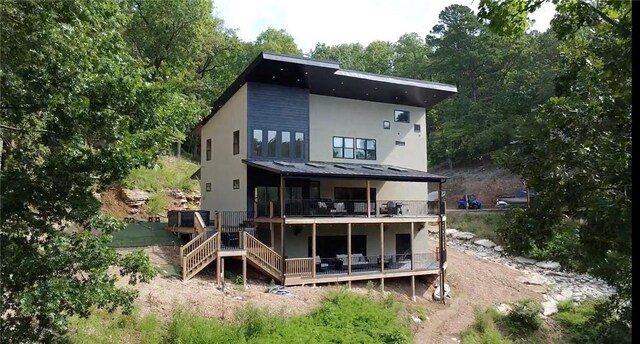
{"x":152,"y":192}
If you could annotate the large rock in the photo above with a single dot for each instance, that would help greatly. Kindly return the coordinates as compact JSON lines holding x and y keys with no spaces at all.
{"x":548,"y":265}
{"x":485,"y":243}
{"x":564,"y":295}
{"x":433,"y":229}
{"x":134,"y":198}
{"x":549,"y":307}
{"x":193,"y":197}
{"x":498,"y":248}
{"x":503,"y":309}
{"x":463,"y":235}
{"x":525,"y":260}
{"x":179,"y":195}
{"x":450,"y":231}
{"x":536,"y":279}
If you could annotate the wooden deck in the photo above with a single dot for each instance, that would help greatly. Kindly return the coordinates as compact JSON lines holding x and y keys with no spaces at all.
{"x":348,"y":219}
{"x":359,"y":276}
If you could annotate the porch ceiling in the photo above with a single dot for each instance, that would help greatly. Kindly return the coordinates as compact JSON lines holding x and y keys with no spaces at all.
{"x":330,"y":170}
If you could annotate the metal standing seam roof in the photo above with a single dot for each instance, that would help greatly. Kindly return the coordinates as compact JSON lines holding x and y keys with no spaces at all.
{"x":345,"y":171}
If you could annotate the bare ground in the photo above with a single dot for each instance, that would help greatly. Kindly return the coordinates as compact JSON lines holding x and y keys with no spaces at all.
{"x":474,"y":283}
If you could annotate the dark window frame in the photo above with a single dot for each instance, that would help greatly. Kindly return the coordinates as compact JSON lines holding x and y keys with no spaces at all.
{"x":343,"y":147}
{"x":272,"y":145}
{"x":288,"y":144}
{"x":236,"y":184}
{"x":257,"y":146}
{"x":397,"y":113}
{"x":208,"y":149}
{"x":416,"y":128}
{"x":207,"y":187}
{"x":386,"y":125}
{"x":236,"y":142}
{"x":369,"y":153}
{"x":298,"y":145}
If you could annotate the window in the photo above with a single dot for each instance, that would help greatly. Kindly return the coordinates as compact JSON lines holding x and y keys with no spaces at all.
{"x":236,"y":142}
{"x":271,"y":142}
{"x":366,"y":149}
{"x":416,"y":128}
{"x":236,"y":183}
{"x":257,"y":142}
{"x":299,"y":145}
{"x":386,"y":125}
{"x":399,"y":143}
{"x":207,"y":187}
{"x":208,"y":149}
{"x":285,"y":149}
{"x":401,"y":116}
{"x":343,"y":147}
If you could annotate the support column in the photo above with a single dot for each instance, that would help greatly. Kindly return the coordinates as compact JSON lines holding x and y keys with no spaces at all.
{"x":412,"y":255}
{"x":218,"y":267}
{"x":313,"y":250}
{"x":368,"y":199}
{"x":282,"y":196}
{"x":222,"y":268}
{"x":441,"y":242}
{"x":349,"y":250}
{"x":413,"y":288}
{"x":244,"y":271}
{"x":382,"y":255}
{"x":273,"y":239}
{"x":283,"y":267}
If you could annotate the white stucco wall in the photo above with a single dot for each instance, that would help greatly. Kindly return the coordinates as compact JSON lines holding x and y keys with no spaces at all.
{"x":331,"y":116}
{"x":224,"y":167}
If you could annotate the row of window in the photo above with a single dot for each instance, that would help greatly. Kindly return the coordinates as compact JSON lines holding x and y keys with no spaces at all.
{"x":278,"y":144}
{"x":350,"y":148}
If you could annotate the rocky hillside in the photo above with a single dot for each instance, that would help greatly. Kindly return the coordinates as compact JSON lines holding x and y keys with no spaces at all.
{"x":484,"y":180}
{"x":152,"y":192}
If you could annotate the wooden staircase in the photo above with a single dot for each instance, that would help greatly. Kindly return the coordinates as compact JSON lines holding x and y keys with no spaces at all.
{"x":201,"y":251}
{"x":263,"y":257}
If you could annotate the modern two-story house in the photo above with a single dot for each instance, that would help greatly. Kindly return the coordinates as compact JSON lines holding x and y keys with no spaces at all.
{"x":315,"y":174}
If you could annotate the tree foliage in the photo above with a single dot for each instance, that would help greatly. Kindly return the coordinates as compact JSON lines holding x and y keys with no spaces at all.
{"x":576,"y":150}
{"x":79,"y":110}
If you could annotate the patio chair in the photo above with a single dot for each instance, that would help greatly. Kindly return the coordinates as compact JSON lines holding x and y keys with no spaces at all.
{"x":320,"y":265}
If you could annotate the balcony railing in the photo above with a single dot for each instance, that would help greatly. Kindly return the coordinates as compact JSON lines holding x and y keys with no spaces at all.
{"x":336,"y":208}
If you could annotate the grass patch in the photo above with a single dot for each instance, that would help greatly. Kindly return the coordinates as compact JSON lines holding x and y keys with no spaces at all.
{"x":169,"y":172}
{"x":344,"y":317}
{"x":482,"y":224}
{"x":158,"y":203}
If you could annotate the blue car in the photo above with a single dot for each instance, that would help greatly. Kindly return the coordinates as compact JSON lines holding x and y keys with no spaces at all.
{"x":469,"y":202}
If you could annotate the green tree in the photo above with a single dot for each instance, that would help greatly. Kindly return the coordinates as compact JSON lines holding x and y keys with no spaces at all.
{"x":378,"y":58}
{"x":411,"y":57}
{"x":350,"y":56}
{"x":576,"y":150}
{"x":274,"y":41}
{"x":78,"y":112}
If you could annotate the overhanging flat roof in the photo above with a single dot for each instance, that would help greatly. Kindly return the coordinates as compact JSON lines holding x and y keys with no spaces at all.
{"x":333,"y":170}
{"x":326,"y":78}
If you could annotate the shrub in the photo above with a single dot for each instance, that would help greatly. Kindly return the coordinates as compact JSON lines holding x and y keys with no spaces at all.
{"x":422,"y":313}
{"x":524,"y":317}
{"x":484,"y":329}
{"x":158,"y":203}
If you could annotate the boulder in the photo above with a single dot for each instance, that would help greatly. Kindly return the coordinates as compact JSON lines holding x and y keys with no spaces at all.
{"x":503,"y":309}
{"x":548,"y":265}
{"x":134,"y":198}
{"x":193,"y":197}
{"x":450,"y":231}
{"x":485,"y":243}
{"x":416,"y":319}
{"x":463,"y":235}
{"x":498,"y":248}
{"x":525,"y":260}
{"x":565,"y":294}
{"x":549,"y":307}
{"x":536,"y":279}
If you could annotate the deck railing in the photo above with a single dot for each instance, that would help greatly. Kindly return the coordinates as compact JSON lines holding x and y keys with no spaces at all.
{"x":261,"y":253}
{"x":298,"y":267}
{"x":194,"y":259}
{"x":191,"y":245}
{"x":337,"y":208}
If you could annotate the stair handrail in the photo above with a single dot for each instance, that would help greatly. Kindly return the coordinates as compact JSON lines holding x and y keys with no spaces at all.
{"x":198,"y":223}
{"x":264,"y":253}
{"x":205,"y":250}
{"x":195,"y":242}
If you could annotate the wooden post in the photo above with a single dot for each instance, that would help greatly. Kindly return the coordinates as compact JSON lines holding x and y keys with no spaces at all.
{"x":368,"y":199}
{"x":244,"y":271}
{"x":313,"y":250}
{"x":412,"y":255}
{"x":441,"y":242}
{"x":349,"y":248}
{"x":222,"y":268}
{"x":381,"y":247}
{"x":282,"y":250}
{"x":218,"y":267}
{"x":270,"y":209}
{"x":255,"y":209}
{"x":282,"y":215}
{"x":413,"y":288}
{"x":273,"y":239}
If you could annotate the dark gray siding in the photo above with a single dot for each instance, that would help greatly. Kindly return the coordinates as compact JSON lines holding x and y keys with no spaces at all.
{"x":279,"y":108}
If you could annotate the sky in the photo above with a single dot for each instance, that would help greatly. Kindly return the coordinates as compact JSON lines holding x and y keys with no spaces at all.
{"x":343,"y":21}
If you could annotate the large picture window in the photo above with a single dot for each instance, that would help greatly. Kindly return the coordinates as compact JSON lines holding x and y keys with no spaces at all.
{"x":299,"y":145}
{"x":401,"y":116}
{"x":285,"y":149}
{"x":257,"y":142}
{"x":366,"y":149}
{"x":343,"y":147}
{"x":271,"y":142}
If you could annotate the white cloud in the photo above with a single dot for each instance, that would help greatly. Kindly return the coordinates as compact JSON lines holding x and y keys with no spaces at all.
{"x":343,"y":21}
